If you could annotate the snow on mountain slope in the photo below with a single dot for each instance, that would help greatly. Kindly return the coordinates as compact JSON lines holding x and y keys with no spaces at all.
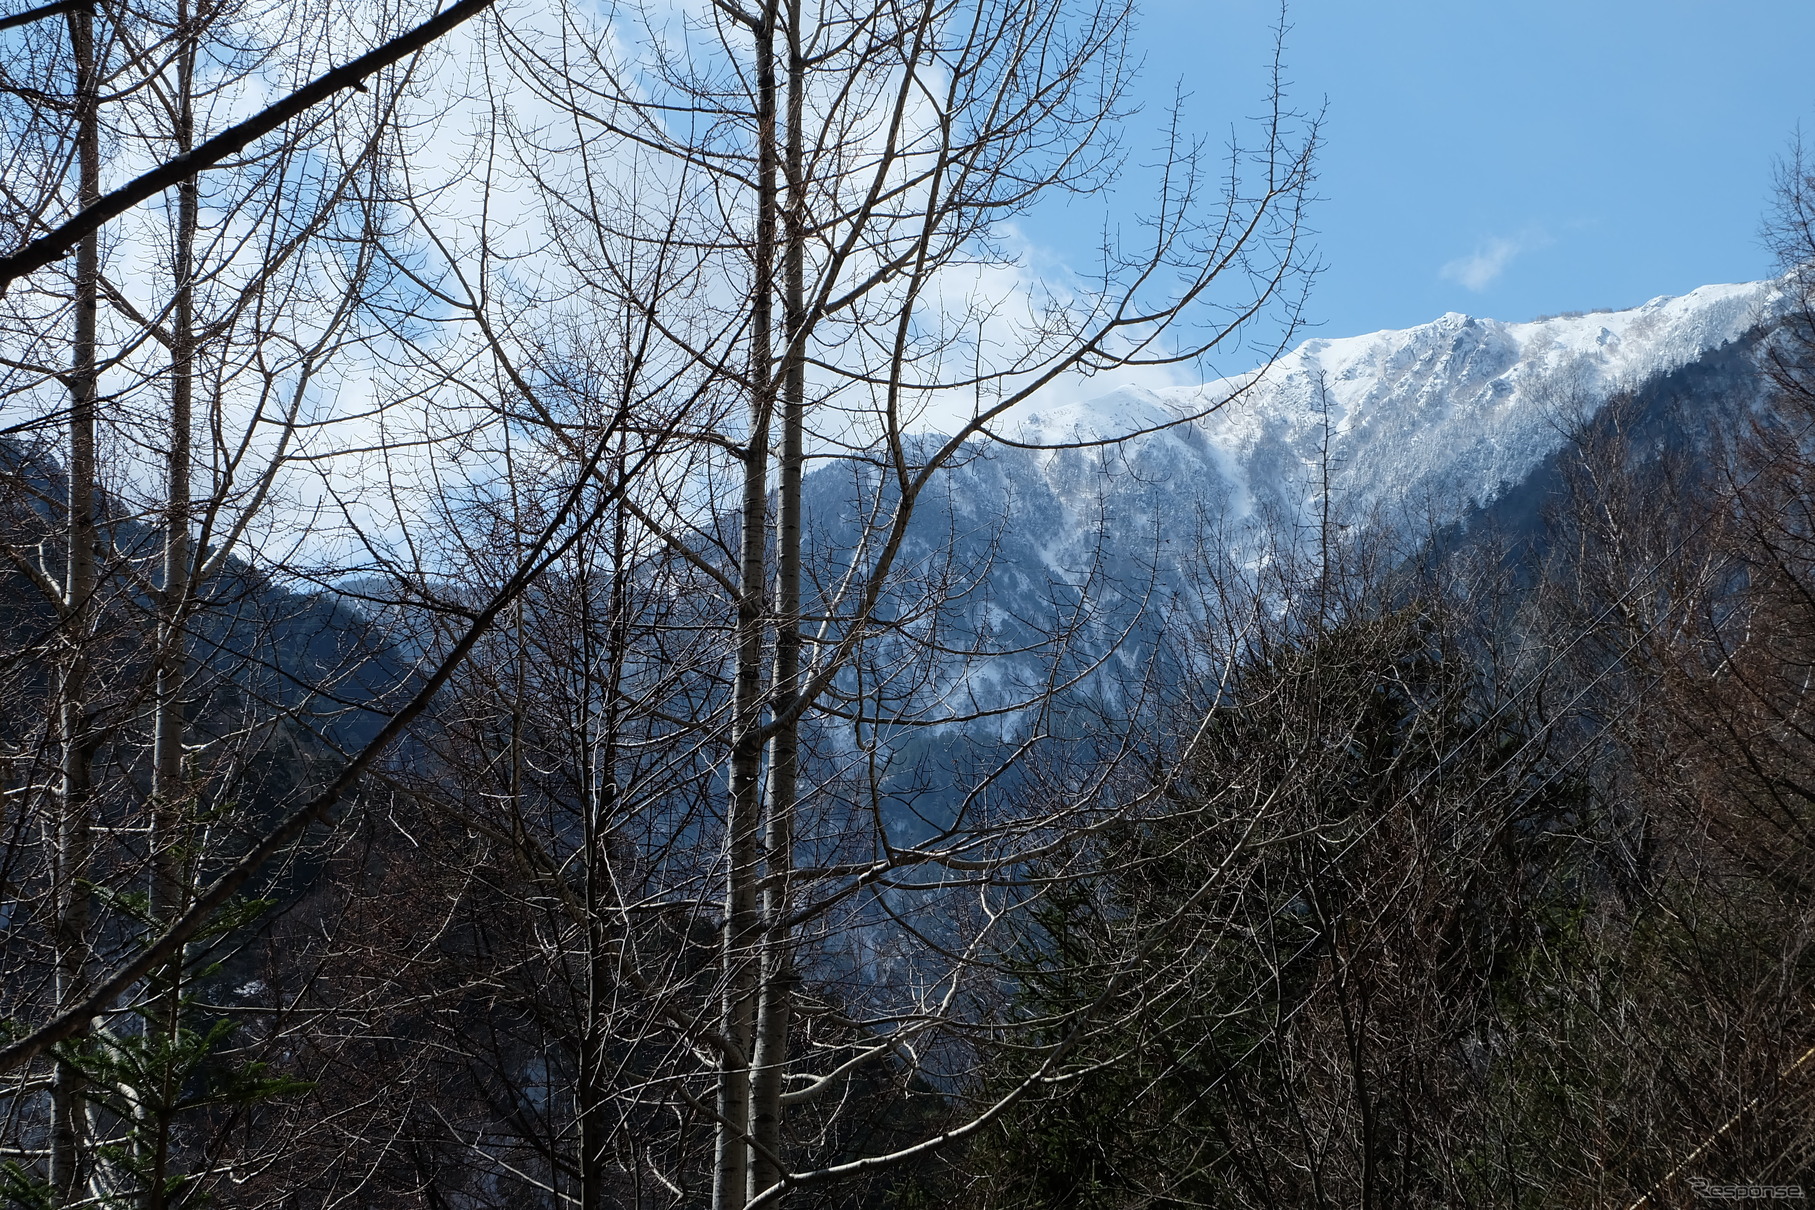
{"x":1428,"y":419}
{"x":1063,"y":565}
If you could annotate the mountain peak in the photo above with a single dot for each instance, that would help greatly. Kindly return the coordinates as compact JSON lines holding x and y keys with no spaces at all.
{"x":1462,"y":402}
{"x":1418,"y":423}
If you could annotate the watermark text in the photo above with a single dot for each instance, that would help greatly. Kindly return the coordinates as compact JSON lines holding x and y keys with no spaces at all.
{"x":1704,"y":1187}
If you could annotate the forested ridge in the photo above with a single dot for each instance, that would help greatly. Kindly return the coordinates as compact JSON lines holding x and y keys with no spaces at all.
{"x":528,"y":679}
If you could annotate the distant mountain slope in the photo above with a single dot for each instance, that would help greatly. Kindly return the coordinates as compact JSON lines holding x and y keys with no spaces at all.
{"x":1416,"y":431}
{"x":1452,"y":412}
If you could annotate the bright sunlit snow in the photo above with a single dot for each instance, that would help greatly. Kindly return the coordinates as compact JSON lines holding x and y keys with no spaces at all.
{"x":1437,"y":416}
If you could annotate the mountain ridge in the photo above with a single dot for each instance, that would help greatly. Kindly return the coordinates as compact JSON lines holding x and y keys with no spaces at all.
{"x":1415,"y":436}
{"x":1461,"y":403}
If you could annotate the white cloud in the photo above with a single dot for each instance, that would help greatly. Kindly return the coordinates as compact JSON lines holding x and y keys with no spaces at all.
{"x":1484,"y":266}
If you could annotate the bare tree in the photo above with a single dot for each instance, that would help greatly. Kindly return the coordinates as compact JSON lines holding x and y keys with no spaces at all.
{"x":785,"y":224}
{"x":767,"y":238}
{"x":220,"y":316}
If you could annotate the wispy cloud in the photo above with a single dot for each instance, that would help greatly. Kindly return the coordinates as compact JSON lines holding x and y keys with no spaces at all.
{"x":1483,"y":267}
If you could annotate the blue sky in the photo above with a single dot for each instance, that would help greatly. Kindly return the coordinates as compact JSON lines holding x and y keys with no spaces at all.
{"x":1508,"y":157}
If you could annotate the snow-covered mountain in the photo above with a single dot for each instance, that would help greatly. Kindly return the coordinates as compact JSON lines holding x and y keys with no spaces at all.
{"x":1442,"y":416}
{"x":1409,"y":430}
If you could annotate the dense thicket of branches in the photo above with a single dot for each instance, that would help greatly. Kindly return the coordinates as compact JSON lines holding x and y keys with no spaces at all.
{"x":1341,"y":911}
{"x":472,"y":487}
{"x":545,"y":452}
{"x":1490,"y":889}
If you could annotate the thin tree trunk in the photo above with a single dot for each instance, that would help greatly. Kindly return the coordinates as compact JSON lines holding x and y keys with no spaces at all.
{"x":74,"y":840}
{"x":601,"y":813}
{"x":775,"y":1003}
{"x":742,"y":919}
{"x":169,"y":794}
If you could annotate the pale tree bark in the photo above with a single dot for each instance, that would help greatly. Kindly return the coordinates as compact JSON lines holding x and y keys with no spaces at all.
{"x":742,"y":940}
{"x":774,"y":1005}
{"x":171,"y":841}
{"x":74,"y":843}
